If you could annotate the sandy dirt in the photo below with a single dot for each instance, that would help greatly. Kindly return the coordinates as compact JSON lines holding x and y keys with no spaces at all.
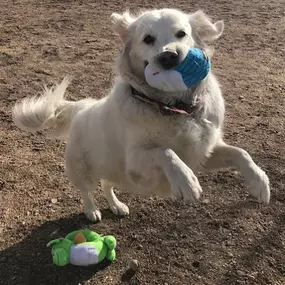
{"x":226,"y":238}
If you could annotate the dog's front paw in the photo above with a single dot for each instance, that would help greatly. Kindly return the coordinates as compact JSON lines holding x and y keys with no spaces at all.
{"x":259,"y":186}
{"x":93,"y":215}
{"x":186,"y":185}
{"x":120,"y":209}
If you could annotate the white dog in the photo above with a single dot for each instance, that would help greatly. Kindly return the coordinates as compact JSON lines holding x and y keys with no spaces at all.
{"x":129,"y":139}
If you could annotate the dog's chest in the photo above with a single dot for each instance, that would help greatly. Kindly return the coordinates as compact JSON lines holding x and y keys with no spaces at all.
{"x":191,"y":139}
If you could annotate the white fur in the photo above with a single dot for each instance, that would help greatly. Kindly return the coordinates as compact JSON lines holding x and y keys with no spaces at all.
{"x":123,"y":142}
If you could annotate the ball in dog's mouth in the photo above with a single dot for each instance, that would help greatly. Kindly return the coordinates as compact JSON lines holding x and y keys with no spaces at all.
{"x":193,"y":69}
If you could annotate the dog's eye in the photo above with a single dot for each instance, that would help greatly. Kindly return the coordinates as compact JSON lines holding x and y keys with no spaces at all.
{"x":180,"y":34}
{"x":149,"y":39}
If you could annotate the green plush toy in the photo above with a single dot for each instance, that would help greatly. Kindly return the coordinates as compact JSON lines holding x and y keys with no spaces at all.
{"x":83,"y":247}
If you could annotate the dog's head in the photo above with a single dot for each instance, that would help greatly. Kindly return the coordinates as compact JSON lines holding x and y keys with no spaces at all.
{"x":163,"y":37}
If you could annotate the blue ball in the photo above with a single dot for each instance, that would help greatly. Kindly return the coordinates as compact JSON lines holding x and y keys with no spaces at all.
{"x":195,"y":67}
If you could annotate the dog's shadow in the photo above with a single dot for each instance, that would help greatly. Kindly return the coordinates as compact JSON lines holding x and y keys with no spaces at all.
{"x":30,"y":261}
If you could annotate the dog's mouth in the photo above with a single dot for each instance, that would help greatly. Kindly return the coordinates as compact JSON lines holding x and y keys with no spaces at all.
{"x":145,"y":63}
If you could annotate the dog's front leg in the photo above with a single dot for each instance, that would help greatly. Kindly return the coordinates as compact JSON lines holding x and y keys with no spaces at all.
{"x":227,"y":156}
{"x":142,"y":164}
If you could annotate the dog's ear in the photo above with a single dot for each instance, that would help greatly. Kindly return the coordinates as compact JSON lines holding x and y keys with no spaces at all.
{"x":203,"y":27}
{"x":120,"y":24}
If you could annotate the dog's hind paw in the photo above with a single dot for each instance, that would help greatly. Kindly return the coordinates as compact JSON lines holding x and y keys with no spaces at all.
{"x":93,"y":215}
{"x":120,"y":209}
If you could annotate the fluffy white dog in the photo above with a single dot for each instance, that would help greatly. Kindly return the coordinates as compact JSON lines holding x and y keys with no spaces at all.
{"x":134,"y":138}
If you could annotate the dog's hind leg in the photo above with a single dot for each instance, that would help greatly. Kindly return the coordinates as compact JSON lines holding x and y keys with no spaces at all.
{"x":116,"y":206}
{"x":80,"y":175}
{"x":226,"y":156}
{"x":91,"y":211}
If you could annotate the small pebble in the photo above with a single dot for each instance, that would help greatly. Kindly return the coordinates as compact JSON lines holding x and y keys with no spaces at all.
{"x":54,"y":200}
{"x":206,"y":201}
{"x":240,"y":273}
{"x":134,"y":264}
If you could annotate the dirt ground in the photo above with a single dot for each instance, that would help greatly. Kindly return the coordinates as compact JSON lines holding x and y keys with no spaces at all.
{"x":226,"y":238}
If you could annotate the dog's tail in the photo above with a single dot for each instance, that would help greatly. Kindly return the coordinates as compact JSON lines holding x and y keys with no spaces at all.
{"x":49,"y":111}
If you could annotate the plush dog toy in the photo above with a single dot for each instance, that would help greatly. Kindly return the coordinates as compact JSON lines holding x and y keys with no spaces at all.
{"x":82,"y":247}
{"x":192,"y":70}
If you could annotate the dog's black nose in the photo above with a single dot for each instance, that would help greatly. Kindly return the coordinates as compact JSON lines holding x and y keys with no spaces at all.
{"x":168,"y":59}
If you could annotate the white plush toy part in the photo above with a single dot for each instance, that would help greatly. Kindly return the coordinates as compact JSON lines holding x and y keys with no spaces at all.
{"x":193,"y":69}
